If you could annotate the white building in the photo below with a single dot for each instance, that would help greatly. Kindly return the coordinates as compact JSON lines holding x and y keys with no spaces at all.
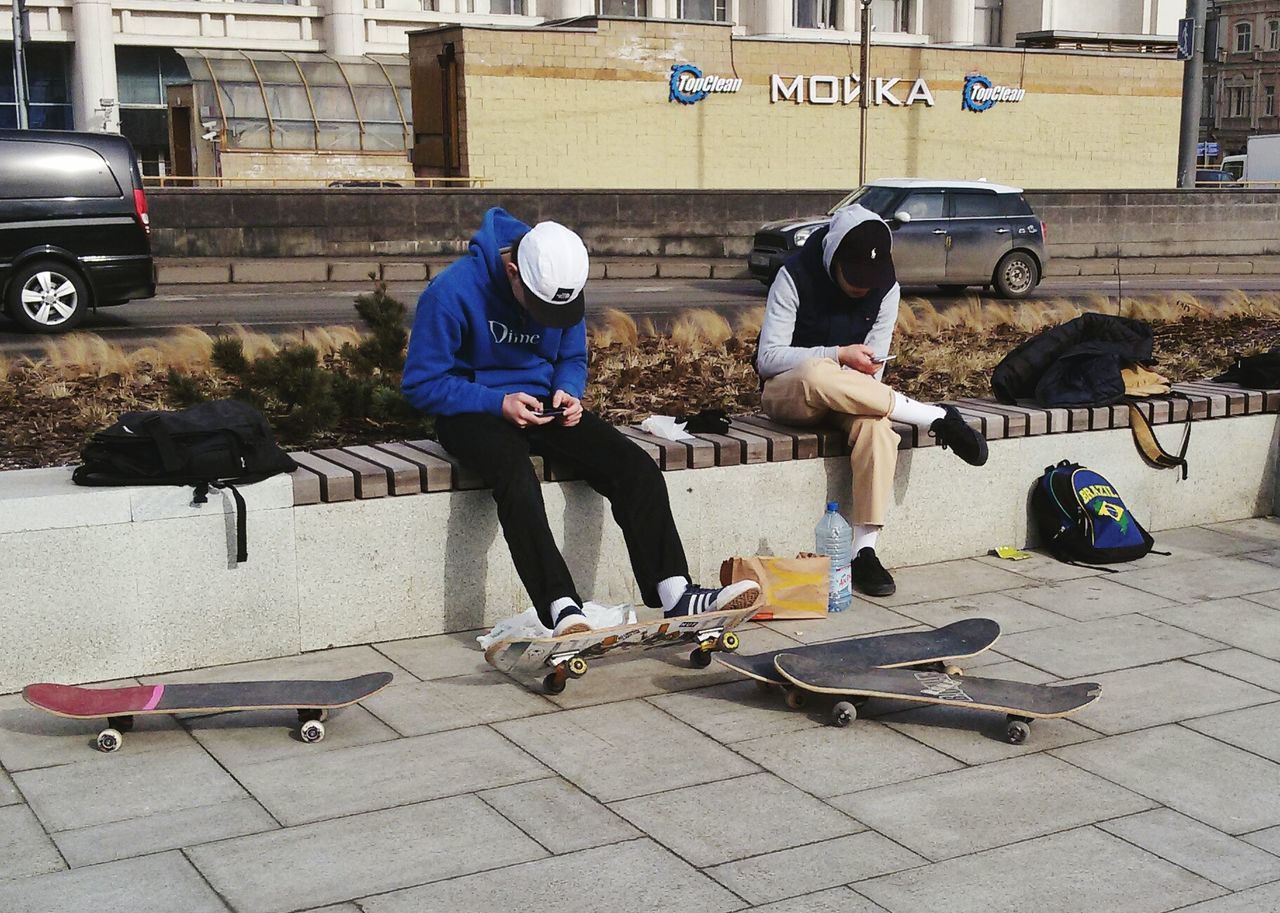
{"x":106,"y":64}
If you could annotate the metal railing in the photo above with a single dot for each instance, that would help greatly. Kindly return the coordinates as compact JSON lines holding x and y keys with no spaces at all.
{"x":340,"y":182}
{"x":1238,"y":185}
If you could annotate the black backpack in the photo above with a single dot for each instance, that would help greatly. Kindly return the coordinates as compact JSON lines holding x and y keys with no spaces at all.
{"x":1082,"y":519}
{"x":218,"y":444}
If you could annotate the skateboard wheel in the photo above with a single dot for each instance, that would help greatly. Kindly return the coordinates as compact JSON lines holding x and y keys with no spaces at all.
{"x":796,"y":698}
{"x":109,"y":740}
{"x":700,"y":658}
{"x":312,"y":731}
{"x":954,"y":671}
{"x":843,"y":713}
{"x":1017,"y":732}
{"x":577,"y":667}
{"x":730,"y":642}
{"x":553,"y":684}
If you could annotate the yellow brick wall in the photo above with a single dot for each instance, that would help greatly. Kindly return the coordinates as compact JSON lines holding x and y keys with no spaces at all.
{"x":589,"y":109}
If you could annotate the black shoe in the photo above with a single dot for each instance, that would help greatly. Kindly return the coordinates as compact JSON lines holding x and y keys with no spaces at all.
{"x":869,"y":575}
{"x":951,"y":431}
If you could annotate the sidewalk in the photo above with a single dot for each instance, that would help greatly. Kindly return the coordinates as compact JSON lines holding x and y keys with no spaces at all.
{"x":652,"y":786}
{"x":320,"y":269}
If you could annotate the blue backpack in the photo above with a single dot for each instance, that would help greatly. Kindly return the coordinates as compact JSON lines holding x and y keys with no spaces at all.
{"x":1082,"y":519}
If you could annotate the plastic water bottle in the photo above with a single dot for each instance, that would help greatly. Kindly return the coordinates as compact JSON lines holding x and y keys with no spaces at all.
{"x":834,"y":538}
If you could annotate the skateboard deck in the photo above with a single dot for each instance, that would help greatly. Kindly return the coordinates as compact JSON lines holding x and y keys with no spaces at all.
{"x":566,"y":656}
{"x":957,"y":640}
{"x":1020,"y":701}
{"x":311,"y":698}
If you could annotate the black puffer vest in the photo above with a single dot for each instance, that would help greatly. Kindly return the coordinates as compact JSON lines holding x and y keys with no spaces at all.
{"x":825,"y":315}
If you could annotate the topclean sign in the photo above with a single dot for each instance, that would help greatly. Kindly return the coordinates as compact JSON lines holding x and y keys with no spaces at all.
{"x":689,"y":86}
{"x":835,"y":90}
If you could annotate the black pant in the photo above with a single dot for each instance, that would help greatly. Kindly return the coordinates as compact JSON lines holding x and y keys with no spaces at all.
{"x":609,"y":461}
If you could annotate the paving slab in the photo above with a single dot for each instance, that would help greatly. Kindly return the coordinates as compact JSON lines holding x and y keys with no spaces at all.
{"x":173,"y":830}
{"x":833,"y":900}
{"x":735,"y":711}
{"x":1271,"y":598}
{"x":1007,"y":608}
{"x":439,"y":656}
{"x":1243,"y":665}
{"x":1264,"y":899}
{"x":419,"y":708}
{"x":831,"y":762}
{"x":1189,"y":772}
{"x":976,"y":736}
{"x":635,"y":877}
{"x":1236,"y":622}
{"x":1202,"y":580}
{"x":1257,"y":529}
{"x":1089,"y":647}
{"x":162,"y":883}
{"x":1256,"y":729}
{"x":748,"y":816}
{"x":25,"y":849}
{"x":1041,"y":566}
{"x":340,"y":662}
{"x":1089,"y":598}
{"x":90,"y":793}
{"x":1044,"y":875}
{"x":333,"y":861}
{"x":1267,"y":839}
{"x":989,"y":806}
{"x":252,"y":737}
{"x":561,"y":817}
{"x":1270,"y":557}
{"x":813,"y":867}
{"x":1222,"y":539}
{"x":1198,"y":848}
{"x":368,"y":777}
{"x":624,"y":750}
{"x":861,"y":618}
{"x":9,"y":794}
{"x":947,"y":579}
{"x":1166,"y":693}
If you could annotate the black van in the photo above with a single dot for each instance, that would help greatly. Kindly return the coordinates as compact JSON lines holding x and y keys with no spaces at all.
{"x":74,"y":229}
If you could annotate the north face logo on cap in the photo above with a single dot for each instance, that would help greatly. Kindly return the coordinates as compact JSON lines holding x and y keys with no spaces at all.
{"x":562,"y":295}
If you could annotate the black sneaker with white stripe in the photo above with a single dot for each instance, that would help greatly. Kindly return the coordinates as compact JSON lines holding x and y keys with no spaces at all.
{"x":697,"y":600}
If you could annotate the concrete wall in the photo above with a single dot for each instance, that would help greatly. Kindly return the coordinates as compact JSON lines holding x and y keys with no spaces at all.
{"x":359,"y":223}
{"x":107,"y":583}
{"x":590,"y":108}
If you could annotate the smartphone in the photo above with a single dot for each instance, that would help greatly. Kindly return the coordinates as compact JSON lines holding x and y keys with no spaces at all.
{"x":551,"y":410}
{"x":880,"y":361}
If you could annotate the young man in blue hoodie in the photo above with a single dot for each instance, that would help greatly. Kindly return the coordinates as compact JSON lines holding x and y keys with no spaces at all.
{"x":498,"y":354}
{"x":828,"y":326}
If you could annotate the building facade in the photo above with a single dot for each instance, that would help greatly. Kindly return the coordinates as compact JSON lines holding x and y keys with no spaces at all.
{"x":116,"y":65}
{"x":1242,"y":72}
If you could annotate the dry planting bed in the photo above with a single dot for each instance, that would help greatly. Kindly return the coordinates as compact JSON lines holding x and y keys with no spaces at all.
{"x":49,"y":405}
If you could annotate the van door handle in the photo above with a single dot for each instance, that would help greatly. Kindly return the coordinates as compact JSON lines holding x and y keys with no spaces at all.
{"x":939,"y":231}
{"x":1002,"y":231}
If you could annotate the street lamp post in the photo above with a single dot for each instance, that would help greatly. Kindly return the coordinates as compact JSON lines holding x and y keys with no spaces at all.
{"x":21,"y":35}
{"x":1192,"y":96}
{"x":864,"y":86}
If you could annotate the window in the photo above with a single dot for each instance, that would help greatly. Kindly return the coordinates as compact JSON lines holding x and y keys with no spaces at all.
{"x":703,"y":10}
{"x":631,"y":9}
{"x":38,"y":170}
{"x":1269,"y":101}
{"x":48,"y":87}
{"x":507,"y":7}
{"x":1239,"y":101}
{"x":815,"y":14}
{"x":1273,"y":34}
{"x":1244,"y":37}
{"x":923,"y":205}
{"x":974,"y":205}
{"x":891,"y":15}
{"x":986,"y":22}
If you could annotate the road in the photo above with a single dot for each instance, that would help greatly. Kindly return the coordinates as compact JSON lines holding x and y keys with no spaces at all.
{"x":281,"y":308}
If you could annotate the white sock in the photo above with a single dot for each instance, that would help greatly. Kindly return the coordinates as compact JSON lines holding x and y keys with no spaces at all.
{"x":564,"y":602}
{"x":913,"y":412}
{"x":670,"y":591}
{"x":864,"y":537}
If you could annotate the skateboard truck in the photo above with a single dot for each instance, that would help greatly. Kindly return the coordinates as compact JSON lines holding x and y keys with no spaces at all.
{"x":564,"y":666}
{"x":711,"y":640}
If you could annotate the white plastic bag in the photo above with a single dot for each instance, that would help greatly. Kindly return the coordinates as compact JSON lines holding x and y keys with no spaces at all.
{"x":665,"y":426}
{"x":526,"y":624}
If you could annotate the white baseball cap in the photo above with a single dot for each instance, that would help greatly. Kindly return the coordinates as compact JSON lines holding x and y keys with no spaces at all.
{"x":553,"y":266}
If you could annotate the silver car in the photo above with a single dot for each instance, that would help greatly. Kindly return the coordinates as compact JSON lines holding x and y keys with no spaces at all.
{"x":952,"y":234}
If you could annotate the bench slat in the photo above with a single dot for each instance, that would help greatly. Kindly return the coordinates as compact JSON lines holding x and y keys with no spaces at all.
{"x":337,"y":483}
{"x":403,"y":478}
{"x":435,"y":474}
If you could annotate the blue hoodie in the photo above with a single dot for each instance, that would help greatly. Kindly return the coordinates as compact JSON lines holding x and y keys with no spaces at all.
{"x":472,"y":342}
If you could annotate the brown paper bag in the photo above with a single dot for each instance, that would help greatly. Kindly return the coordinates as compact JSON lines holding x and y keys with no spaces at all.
{"x":790,"y":587}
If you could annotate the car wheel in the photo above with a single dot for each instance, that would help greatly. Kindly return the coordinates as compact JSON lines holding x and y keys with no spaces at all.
{"x":1017,"y":275}
{"x":47,"y":297}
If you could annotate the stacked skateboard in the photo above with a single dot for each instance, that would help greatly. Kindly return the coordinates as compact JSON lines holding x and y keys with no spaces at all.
{"x":917,"y":666}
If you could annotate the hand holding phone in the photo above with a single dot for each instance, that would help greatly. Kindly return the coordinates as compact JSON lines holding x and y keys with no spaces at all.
{"x":555,"y":411}
{"x":880,"y":361}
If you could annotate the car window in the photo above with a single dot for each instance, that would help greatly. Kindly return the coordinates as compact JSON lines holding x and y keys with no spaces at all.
{"x":927,"y":204}
{"x":41,"y":171}
{"x":1013,"y":204}
{"x":877,"y":199}
{"x":968,"y":205}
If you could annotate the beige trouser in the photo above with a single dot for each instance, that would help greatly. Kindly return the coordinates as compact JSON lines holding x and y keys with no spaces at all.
{"x":821,"y":390}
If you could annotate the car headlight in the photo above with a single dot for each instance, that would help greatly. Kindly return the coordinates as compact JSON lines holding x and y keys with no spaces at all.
{"x":803,"y":234}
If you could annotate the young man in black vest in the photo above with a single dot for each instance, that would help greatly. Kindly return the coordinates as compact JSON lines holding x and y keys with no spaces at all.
{"x":827,"y":331}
